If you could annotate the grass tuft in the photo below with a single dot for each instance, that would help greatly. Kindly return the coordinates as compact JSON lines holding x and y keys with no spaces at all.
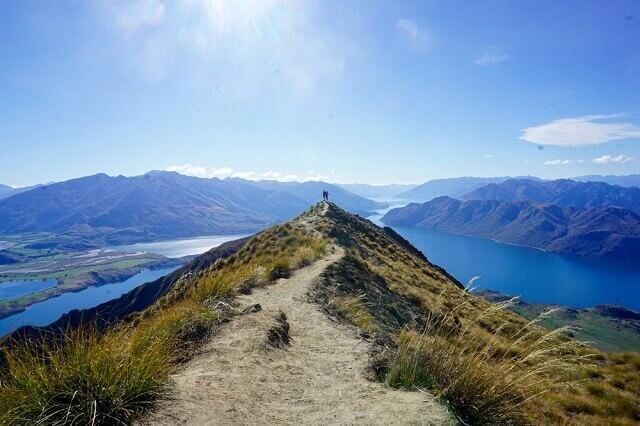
{"x":483,"y":382}
{"x":353,"y":309}
{"x":86,"y":377}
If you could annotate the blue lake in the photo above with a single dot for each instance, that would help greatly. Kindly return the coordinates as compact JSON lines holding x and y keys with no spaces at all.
{"x":534,"y":275}
{"x":44,"y":313}
{"x":14,"y":289}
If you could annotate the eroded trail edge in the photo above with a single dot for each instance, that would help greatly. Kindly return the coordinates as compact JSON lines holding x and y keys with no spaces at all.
{"x":240,"y":377}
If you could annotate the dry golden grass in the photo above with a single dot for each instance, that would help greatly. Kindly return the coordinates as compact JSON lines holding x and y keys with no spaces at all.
{"x":352,"y":308}
{"x":606,"y":392}
{"x":484,"y":381}
{"x":89,"y":378}
{"x":109,"y":378}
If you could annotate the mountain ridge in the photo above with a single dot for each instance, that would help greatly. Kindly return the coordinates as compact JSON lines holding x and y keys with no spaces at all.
{"x":561,"y":192}
{"x":160,"y":205}
{"x":606,"y":231}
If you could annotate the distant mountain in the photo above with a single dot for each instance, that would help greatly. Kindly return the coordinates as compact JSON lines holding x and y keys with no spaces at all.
{"x":562,"y":192}
{"x":454,"y":187}
{"x":377,"y":191}
{"x":8,"y":191}
{"x":311,"y":192}
{"x":610,"y":232}
{"x":161,"y":205}
{"x":628,"y":180}
{"x":155,"y":205}
{"x":5,"y":191}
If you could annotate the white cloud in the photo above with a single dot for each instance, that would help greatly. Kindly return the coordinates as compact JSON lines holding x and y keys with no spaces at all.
{"x":586,"y":130}
{"x":224,"y":172}
{"x":609,"y":159}
{"x":491,"y":55}
{"x":560,"y":162}
{"x":489,"y":156}
{"x":419,"y":38}
{"x":240,"y":47}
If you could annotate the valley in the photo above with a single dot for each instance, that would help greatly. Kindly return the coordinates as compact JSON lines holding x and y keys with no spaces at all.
{"x":30,"y":276}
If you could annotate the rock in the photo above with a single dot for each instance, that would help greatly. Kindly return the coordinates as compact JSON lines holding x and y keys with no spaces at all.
{"x":252,"y":308}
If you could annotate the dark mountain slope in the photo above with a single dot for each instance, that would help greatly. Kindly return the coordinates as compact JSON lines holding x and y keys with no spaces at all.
{"x":562,"y":192}
{"x":610,"y":232}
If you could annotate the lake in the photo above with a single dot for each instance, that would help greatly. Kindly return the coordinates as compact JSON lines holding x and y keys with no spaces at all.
{"x":532,"y":274}
{"x":14,"y":289}
{"x":181,"y":247}
{"x":46,"y":312}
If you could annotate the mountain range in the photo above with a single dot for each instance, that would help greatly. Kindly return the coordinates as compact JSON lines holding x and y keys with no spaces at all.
{"x":161,"y":205}
{"x":458,"y":187}
{"x":588,"y":219}
{"x":453,"y":187}
{"x":561,"y":192}
{"x":610,"y":232}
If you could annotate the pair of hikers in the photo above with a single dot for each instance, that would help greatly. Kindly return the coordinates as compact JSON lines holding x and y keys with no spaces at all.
{"x":325,"y":195}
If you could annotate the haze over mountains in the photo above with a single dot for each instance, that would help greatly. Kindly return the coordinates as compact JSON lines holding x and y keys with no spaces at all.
{"x":454,"y":187}
{"x":161,"y":205}
{"x":377,"y":191}
{"x":628,"y":180}
{"x":589,"y":219}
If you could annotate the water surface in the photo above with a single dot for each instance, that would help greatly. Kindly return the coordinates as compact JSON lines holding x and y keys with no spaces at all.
{"x":535,"y":275}
{"x":48,"y":311}
{"x":15,"y":289}
{"x":181,"y":247}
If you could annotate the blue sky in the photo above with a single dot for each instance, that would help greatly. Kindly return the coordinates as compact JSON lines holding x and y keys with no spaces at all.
{"x":357,"y":91}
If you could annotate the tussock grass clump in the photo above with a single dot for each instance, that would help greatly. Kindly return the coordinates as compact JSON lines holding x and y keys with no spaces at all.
{"x":482,"y":380}
{"x":89,"y":378}
{"x":280,"y":268}
{"x":304,"y":256}
{"x":353,"y":309}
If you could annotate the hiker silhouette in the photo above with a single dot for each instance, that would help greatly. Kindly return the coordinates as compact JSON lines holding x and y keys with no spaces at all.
{"x":325,"y":195}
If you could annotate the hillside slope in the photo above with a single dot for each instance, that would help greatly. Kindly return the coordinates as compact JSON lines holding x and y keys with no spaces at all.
{"x":324,"y":319}
{"x":321,"y":375}
{"x":609,"y":232}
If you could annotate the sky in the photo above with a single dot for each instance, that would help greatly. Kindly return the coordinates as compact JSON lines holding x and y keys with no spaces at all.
{"x":345,"y":91}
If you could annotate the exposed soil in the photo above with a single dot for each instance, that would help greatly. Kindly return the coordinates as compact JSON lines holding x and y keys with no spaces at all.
{"x":315,"y":373}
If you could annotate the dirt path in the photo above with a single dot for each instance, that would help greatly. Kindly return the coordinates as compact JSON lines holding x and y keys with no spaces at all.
{"x":318,"y":379}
